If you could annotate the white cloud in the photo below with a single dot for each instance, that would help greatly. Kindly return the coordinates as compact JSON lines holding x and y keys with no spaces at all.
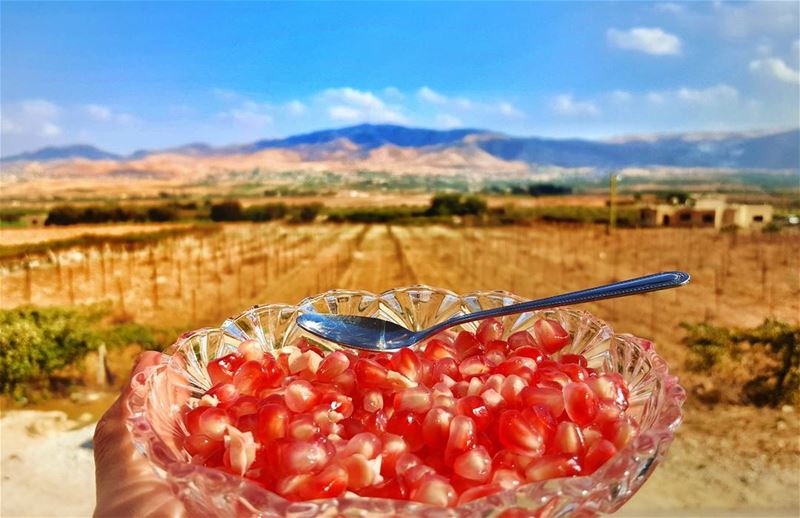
{"x":775,"y":68}
{"x":650,"y":40}
{"x":620,"y":96}
{"x":745,"y":19}
{"x":40,"y":108}
{"x":296,"y":107}
{"x":444,"y":120}
{"x":718,"y":94}
{"x":344,"y":113}
{"x":48,"y":129}
{"x":509,"y":110}
{"x":98,"y":112}
{"x":429,"y":95}
{"x":350,"y":104}
{"x":393,"y":93}
{"x":671,"y":8}
{"x":8,"y":127}
{"x":565,"y":104}
{"x":655,"y":97}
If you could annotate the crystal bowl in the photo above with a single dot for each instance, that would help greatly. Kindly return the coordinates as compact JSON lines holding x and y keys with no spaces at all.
{"x":160,"y":392}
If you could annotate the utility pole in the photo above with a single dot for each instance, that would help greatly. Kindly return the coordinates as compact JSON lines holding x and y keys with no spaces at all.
{"x":612,"y":203}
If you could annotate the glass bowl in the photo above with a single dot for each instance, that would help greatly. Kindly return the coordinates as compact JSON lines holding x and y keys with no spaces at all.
{"x":160,"y":392}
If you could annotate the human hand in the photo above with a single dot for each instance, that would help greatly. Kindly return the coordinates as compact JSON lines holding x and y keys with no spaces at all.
{"x":127,"y":486}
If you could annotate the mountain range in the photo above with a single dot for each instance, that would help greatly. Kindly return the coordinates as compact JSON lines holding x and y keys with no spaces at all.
{"x":779,"y":150}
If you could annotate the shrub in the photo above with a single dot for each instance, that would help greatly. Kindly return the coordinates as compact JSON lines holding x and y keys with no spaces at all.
{"x":35,"y":343}
{"x":305,"y":213}
{"x":267,"y":212}
{"x":162,"y":213}
{"x":775,"y":381}
{"x":454,"y":204}
{"x":226,"y":211}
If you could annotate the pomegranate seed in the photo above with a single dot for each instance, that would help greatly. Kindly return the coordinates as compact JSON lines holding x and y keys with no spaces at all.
{"x":494,"y":401}
{"x":475,"y":408}
{"x":248,"y":377}
{"x":550,"y":398}
{"x":515,"y":364}
{"x":488,"y":330}
{"x":434,"y":490}
{"x":365,"y":443}
{"x":575,"y":372}
{"x":408,"y":426}
{"x":393,"y":447}
{"x":446,"y":367}
{"x":474,"y":366}
{"x":467,"y":345}
{"x":521,"y":339}
{"x":198,"y":444}
{"x":578,"y":359}
{"x":221,"y":369}
{"x":527,"y":351}
{"x":213,"y":422}
{"x":329,"y":483}
{"x":346,"y":381}
{"x":373,"y":401}
{"x":476,"y":492}
{"x":550,"y":335}
{"x":300,"y":396}
{"x":417,"y":400}
{"x":273,"y":422}
{"x":407,"y":363}
{"x":461,"y":437}
{"x":436,"y":427}
{"x":225,"y":393}
{"x":500,"y":346}
{"x":391,"y":488}
{"x":518,"y":436}
{"x":474,"y":464}
{"x":610,"y":387}
{"x":250,"y":350}
{"x":241,"y":451}
{"x":621,"y":432}
{"x":436,"y":350}
{"x":511,"y":389}
{"x":580,"y":403}
{"x":460,"y":389}
{"x":597,"y":455}
{"x":370,"y":373}
{"x":550,"y":377}
{"x":244,"y":405}
{"x":305,"y":456}
{"x":507,"y":478}
{"x":332,"y":366}
{"x":552,"y":466}
{"x":568,"y":439}
{"x":302,"y":427}
{"x":359,"y":471}
{"x":607,"y":413}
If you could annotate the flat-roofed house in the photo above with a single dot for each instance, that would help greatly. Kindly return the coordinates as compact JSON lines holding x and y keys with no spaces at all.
{"x":709,"y":212}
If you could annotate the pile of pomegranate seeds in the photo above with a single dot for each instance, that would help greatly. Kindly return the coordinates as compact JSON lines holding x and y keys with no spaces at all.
{"x":463,"y":417}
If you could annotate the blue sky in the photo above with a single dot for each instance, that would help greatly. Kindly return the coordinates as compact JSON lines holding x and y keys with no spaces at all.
{"x":148,"y":75}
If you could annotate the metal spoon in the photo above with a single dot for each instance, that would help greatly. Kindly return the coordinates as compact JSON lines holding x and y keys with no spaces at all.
{"x":374,"y":334}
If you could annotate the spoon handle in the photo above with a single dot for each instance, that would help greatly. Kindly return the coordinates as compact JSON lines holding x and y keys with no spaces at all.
{"x":655,"y":282}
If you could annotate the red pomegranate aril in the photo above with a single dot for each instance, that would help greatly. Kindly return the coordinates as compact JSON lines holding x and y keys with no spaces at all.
{"x":550,"y":335}
{"x":621,"y":432}
{"x":359,"y":471}
{"x":607,"y":413}
{"x":552,"y":466}
{"x":407,"y":363}
{"x":417,"y":400}
{"x":541,"y":420}
{"x":308,"y":456}
{"x":225,"y":393}
{"x":467,"y":345}
{"x":580,"y":403}
{"x":221,"y":369}
{"x":475,"y":408}
{"x":575,"y":372}
{"x":521,"y":339}
{"x":527,"y":351}
{"x":568,"y":439}
{"x":505,"y":459}
{"x":434,"y":490}
{"x":346,"y":381}
{"x":248,"y":377}
{"x":372,"y":401}
{"x":446,"y":367}
{"x":302,"y":427}
{"x":250,"y":350}
{"x":597,"y":455}
{"x":500,"y":346}
{"x":507,"y":478}
{"x":511,"y":389}
{"x":517,"y":435}
{"x":436,"y":350}
{"x":300,"y":396}
{"x":329,"y":483}
{"x":436,"y":428}
{"x":474,"y":366}
{"x":199,"y":444}
{"x":550,"y":377}
{"x":476,"y":492}
{"x":248,"y":423}
{"x":550,"y":398}
{"x":461,"y":438}
{"x":273,"y":422}
{"x":610,"y":387}
{"x":244,"y":405}
{"x":332,"y":365}
{"x":370,"y":373}
{"x":577,"y":359}
{"x":393,"y":447}
{"x":488,"y":330}
{"x":192,"y":419}
{"x":475,"y":464}
{"x":376,"y":422}
{"x":364,"y":443}
{"x":515,"y":365}
{"x":213,"y":423}
{"x":390,"y":488}
{"x":408,"y":426}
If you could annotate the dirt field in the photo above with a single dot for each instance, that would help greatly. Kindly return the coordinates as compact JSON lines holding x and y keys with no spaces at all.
{"x":32,"y":235}
{"x":725,"y":460}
